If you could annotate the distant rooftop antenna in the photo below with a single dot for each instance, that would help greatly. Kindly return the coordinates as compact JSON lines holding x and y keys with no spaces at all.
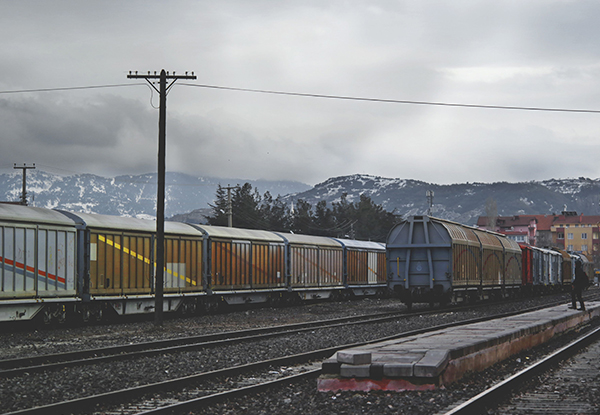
{"x":429,"y":194}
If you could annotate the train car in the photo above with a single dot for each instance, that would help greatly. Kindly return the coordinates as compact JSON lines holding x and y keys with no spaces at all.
{"x":364,"y":266}
{"x":527,"y":264}
{"x":38,"y":264}
{"x":574,"y":259}
{"x":315,"y":265}
{"x":492,"y":266}
{"x":555,"y":259}
{"x":428,"y":259}
{"x":548,"y":273}
{"x":565,"y":269}
{"x":501,"y":264}
{"x":433,"y":260}
{"x":243,"y":265}
{"x":117,"y":256}
{"x":513,"y":260}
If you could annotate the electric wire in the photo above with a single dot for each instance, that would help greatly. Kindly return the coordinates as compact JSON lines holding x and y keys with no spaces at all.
{"x":392,"y":101}
{"x":70,"y":88}
{"x":322,"y":96}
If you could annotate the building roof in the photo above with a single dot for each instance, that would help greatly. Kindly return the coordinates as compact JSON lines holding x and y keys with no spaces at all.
{"x":588,"y":220}
{"x":543,"y":222}
{"x":508,"y":221}
{"x":513,"y":233}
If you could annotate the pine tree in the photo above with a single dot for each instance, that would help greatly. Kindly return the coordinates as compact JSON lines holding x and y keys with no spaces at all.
{"x":275,"y":213}
{"x":324,"y":221}
{"x":246,"y":208}
{"x":364,"y":220}
{"x":219,"y":209}
{"x":302,"y":220}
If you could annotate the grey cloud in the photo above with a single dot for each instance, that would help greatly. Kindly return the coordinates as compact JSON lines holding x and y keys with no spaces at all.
{"x":534,"y":53}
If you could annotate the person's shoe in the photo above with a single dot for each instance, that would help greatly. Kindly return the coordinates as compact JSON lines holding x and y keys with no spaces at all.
{"x":572,"y":306}
{"x":581,"y":309}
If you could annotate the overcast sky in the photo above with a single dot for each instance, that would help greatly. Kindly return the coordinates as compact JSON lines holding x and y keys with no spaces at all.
{"x":534,"y":53}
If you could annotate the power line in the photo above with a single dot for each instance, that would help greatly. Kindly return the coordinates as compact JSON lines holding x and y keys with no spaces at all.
{"x":69,"y":88}
{"x":323,"y":96}
{"x":393,"y":101}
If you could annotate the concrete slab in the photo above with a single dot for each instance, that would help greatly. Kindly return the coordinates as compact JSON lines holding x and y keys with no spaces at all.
{"x":354,"y":357}
{"x":432,"y":364}
{"x":398,"y":370}
{"x":355,"y":371}
{"x":441,"y":357}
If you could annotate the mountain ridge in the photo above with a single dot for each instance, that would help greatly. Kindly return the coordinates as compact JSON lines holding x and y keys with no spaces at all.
{"x":135,"y":195}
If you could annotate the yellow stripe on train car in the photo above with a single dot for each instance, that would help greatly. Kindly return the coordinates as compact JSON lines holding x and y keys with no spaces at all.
{"x":142,"y":258}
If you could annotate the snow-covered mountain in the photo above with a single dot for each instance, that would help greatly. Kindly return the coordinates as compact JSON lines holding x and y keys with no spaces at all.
{"x":464,"y":202}
{"x":126,"y":195}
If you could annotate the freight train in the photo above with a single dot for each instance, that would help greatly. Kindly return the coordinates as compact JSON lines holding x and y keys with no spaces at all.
{"x":58,"y":265}
{"x":433,"y":260}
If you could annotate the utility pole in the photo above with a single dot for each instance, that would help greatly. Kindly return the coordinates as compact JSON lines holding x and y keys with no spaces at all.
{"x":160,"y":199}
{"x":24,"y":192}
{"x":229,"y":206}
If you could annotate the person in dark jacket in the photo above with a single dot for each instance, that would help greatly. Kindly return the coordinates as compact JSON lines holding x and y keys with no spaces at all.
{"x":581,"y":282}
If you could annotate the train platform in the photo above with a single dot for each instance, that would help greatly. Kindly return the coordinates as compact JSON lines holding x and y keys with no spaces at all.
{"x":428,"y":361}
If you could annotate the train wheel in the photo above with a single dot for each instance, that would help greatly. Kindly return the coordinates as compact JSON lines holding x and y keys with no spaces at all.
{"x":47,"y":315}
{"x":187,"y":308}
{"x":276,"y":299}
{"x":97,"y":314}
{"x":61,"y":314}
{"x":211,"y":306}
{"x":85,"y":314}
{"x":183,"y":309}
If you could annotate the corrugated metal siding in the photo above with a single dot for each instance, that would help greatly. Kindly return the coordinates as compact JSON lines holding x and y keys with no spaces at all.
{"x":37,"y":261}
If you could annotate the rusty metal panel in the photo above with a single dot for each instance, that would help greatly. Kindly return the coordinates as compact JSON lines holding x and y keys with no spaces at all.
{"x":268,"y":265}
{"x":183,"y":270}
{"x":230,"y":264}
{"x":466,"y":265}
{"x":365,"y":262}
{"x":316,"y":262}
{"x":120,"y":263}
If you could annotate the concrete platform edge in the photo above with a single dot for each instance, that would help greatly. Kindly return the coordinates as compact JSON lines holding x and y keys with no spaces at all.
{"x":461,"y":363}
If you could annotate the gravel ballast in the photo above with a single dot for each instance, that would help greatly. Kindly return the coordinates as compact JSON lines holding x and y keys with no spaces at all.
{"x":53,"y":386}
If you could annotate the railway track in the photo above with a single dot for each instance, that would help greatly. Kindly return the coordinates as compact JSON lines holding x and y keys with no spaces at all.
{"x":162,"y":397}
{"x":13,"y":367}
{"x":552,"y":396}
{"x":58,"y":361}
{"x":207,"y":393}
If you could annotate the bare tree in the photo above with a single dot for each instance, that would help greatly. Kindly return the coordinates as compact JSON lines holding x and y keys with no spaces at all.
{"x":491,"y":212}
